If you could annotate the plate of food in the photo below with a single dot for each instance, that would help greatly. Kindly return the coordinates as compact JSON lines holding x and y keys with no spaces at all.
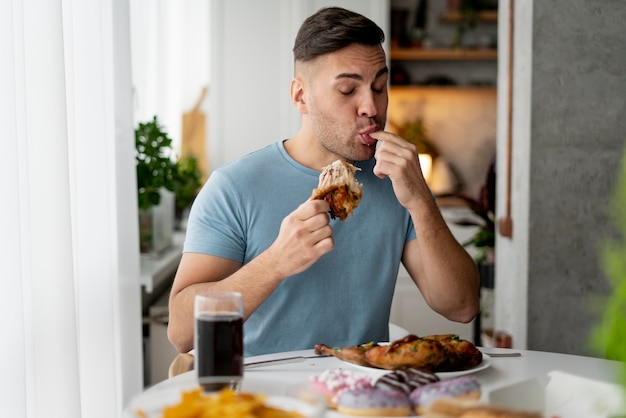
{"x":445,"y":355}
{"x":193,"y":403}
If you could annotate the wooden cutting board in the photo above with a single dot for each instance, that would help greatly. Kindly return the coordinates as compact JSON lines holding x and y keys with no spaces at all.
{"x":194,"y":137}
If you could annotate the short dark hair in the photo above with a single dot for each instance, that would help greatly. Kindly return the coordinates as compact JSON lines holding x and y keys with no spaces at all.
{"x":331,"y":29}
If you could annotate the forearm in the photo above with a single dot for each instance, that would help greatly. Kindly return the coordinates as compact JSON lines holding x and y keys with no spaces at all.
{"x":305,"y":235}
{"x":446,"y":275}
{"x":255,"y":281}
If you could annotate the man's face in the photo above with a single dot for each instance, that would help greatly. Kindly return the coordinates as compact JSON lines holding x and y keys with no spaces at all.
{"x":347,"y":99}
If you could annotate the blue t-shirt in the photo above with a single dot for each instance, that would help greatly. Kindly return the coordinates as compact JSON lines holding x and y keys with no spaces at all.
{"x":342,"y":299}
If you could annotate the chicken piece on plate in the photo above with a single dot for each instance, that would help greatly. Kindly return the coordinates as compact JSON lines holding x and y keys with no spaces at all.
{"x":355,"y":354}
{"x":352,"y":354}
{"x":338,"y":186}
{"x":418,"y":353}
{"x":460,"y":354}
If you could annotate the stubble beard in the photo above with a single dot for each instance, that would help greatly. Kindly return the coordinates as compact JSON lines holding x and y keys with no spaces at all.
{"x":336,"y":139}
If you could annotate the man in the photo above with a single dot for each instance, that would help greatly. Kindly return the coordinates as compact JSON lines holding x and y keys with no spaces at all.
{"x":304,"y":277}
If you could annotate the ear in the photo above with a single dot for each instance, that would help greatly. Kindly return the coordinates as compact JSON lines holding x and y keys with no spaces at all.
{"x":297,"y":95}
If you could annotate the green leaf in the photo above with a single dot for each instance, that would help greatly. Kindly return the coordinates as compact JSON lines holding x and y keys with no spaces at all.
{"x":609,"y":334}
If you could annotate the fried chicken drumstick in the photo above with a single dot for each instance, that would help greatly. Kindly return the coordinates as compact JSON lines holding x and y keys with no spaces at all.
{"x":339,"y":188}
{"x":353,"y":354}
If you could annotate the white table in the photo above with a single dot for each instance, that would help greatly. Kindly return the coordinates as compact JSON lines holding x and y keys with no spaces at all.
{"x":502,"y":371}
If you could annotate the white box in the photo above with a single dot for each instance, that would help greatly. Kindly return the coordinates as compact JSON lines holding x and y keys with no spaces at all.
{"x":565,"y":396}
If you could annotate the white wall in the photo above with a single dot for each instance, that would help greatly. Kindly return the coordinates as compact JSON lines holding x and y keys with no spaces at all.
{"x":170,"y":60}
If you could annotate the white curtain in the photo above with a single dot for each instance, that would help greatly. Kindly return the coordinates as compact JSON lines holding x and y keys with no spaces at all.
{"x":70,"y":300}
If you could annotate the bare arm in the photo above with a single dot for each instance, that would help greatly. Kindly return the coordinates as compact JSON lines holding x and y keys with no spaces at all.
{"x":305,"y":235}
{"x":441,"y":268}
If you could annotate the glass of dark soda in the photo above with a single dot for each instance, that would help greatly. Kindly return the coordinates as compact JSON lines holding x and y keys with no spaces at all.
{"x":219,"y":340}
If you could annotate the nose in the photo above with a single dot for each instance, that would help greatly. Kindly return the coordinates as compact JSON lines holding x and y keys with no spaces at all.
{"x":367,"y":106}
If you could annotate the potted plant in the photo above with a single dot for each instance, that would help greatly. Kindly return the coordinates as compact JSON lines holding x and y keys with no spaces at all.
{"x":415,"y":132}
{"x":162,"y":183}
{"x":186,"y":184}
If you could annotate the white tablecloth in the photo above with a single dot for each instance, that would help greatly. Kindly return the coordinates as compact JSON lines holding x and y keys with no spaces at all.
{"x":278,"y":379}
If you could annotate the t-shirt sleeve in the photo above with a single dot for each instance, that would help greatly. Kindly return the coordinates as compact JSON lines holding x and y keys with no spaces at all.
{"x":215,"y":223}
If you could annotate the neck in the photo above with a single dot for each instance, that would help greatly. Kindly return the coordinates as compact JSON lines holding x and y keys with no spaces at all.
{"x":306,"y":150}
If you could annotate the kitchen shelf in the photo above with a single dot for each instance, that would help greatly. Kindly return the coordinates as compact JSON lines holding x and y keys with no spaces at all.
{"x":455,"y":16}
{"x":416,"y":88}
{"x":155,"y":269}
{"x":420,"y":54}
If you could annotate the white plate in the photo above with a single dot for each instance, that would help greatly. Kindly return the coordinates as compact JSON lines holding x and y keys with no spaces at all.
{"x":376,"y":373}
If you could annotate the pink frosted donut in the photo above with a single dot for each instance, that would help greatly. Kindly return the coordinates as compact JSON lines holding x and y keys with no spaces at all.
{"x":373,"y":402}
{"x":331,"y":382}
{"x":463,"y":387}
